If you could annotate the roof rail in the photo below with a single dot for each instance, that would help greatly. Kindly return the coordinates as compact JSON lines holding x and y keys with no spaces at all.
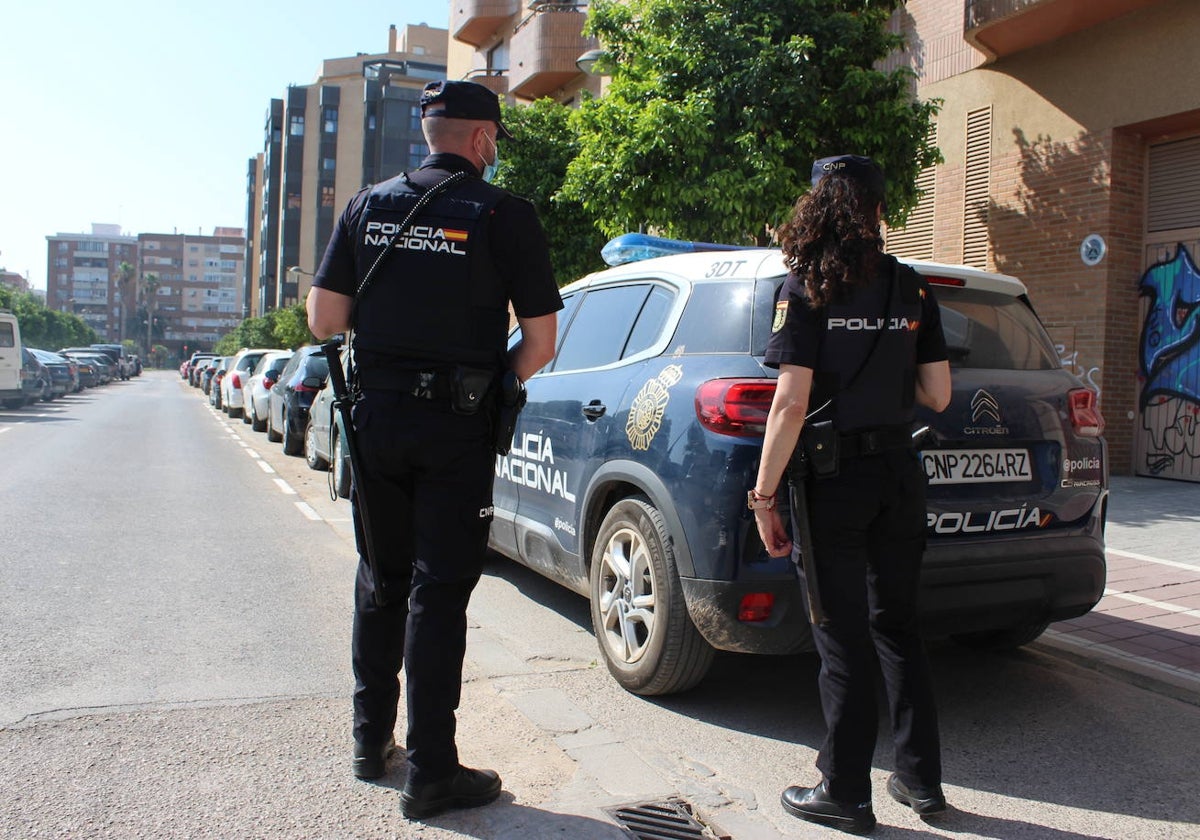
{"x":633,"y":247}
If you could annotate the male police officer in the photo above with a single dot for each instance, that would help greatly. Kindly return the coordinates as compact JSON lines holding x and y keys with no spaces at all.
{"x":862,"y":336}
{"x":435,"y":315}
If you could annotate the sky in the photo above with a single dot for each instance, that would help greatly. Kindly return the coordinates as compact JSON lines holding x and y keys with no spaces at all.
{"x":144,"y":113}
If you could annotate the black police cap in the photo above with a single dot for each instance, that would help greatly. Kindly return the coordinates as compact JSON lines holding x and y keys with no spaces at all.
{"x":859,"y":168}
{"x":463,"y":101}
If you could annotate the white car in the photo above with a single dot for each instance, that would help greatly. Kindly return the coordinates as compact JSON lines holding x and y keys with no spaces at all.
{"x":257,"y":387}
{"x":239,"y":371}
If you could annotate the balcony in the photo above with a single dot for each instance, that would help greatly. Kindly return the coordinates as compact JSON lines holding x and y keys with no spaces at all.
{"x":1003,"y":27}
{"x":493,"y":80}
{"x":544,"y":48}
{"x":475,"y":22}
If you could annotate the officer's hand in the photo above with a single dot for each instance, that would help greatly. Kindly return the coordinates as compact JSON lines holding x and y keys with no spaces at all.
{"x":771,"y":531}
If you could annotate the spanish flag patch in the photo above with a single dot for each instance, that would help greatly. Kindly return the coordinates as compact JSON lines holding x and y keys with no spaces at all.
{"x":780,"y":316}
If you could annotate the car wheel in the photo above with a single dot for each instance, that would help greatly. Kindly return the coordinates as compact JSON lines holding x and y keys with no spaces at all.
{"x":256,"y":423}
{"x":292,"y":444}
{"x":272,"y":435}
{"x":1007,"y":638}
{"x":314,"y":460}
{"x":233,"y":411}
{"x":341,"y":467}
{"x":638,"y":612}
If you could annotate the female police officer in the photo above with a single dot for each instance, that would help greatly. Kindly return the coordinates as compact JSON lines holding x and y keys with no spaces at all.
{"x":858,"y":338}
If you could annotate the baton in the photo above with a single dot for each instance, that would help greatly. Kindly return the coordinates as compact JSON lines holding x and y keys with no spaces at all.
{"x":798,"y":498}
{"x":344,"y":403}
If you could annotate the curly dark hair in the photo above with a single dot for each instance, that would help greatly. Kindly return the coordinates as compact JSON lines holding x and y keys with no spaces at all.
{"x":832,"y":242}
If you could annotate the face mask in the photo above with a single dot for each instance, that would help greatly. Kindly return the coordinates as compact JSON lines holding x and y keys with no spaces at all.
{"x":489,"y":169}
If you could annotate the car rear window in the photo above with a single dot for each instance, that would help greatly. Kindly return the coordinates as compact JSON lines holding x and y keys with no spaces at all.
{"x":994,"y":331}
{"x":716,"y":319}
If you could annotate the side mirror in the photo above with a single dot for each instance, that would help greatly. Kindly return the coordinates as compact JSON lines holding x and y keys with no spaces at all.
{"x":313,"y":382}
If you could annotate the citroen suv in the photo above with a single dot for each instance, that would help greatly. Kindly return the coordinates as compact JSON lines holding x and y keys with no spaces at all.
{"x":629,"y":468}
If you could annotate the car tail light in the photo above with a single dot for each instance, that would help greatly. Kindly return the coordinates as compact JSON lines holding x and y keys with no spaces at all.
{"x":268,"y":382}
{"x":944,"y":281}
{"x":235,"y":382}
{"x":735,"y":407}
{"x":756,"y":606}
{"x":305,"y":389}
{"x":1085,"y":415}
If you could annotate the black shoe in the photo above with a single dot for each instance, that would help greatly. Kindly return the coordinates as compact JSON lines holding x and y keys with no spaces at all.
{"x":370,"y":760}
{"x":465,"y":789}
{"x":816,"y":805}
{"x":923,"y":801}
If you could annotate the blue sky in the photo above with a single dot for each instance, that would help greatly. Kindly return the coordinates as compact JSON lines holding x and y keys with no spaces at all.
{"x":143,"y":113}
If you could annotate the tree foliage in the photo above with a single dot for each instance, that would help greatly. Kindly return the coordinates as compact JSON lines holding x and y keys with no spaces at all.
{"x":533,"y":165}
{"x":46,"y":329}
{"x":717,"y":109}
{"x":278,"y":328}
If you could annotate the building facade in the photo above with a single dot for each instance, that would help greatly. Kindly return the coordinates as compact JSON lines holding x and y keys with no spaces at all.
{"x":1071,"y":136}
{"x":191,"y":287}
{"x":83,"y":276}
{"x":356,"y":124}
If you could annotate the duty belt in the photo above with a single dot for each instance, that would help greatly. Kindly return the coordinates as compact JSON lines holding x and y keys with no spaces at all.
{"x":425,"y":384}
{"x":874,"y":441}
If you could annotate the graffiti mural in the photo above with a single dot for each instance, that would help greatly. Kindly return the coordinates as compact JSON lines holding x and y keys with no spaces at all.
{"x":1169,"y":368}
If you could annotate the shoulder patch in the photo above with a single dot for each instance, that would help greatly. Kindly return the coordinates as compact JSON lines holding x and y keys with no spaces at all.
{"x":781,"y":309}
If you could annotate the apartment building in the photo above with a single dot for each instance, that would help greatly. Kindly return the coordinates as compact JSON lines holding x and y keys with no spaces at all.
{"x":356,"y":124}
{"x":14,"y":281}
{"x":191,"y":286}
{"x":82,"y":276}
{"x":1071,"y":136}
{"x":523,"y":50}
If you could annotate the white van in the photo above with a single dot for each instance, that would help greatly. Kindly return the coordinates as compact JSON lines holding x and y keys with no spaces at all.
{"x":11,"y":394}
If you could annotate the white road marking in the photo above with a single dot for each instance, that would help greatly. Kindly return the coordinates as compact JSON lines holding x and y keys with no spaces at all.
{"x":1145,"y":558}
{"x":5,"y":429}
{"x":265,"y":466}
{"x":308,"y":512}
{"x":1162,"y":605}
{"x":285,"y":487}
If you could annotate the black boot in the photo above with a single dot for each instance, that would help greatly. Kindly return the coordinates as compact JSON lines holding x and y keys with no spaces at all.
{"x":816,"y":805}
{"x":465,"y":789}
{"x":370,"y":760}
{"x":923,"y":801}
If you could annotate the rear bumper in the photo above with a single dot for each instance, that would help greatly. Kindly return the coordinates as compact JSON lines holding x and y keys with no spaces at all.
{"x":713,"y":606}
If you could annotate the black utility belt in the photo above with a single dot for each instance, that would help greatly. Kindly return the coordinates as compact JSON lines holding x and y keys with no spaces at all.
{"x":464,"y":388}
{"x":874,"y":441}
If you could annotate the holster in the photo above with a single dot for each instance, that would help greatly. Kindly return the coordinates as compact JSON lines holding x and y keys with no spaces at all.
{"x":469,"y":388}
{"x":820,"y":445}
{"x":510,"y":399}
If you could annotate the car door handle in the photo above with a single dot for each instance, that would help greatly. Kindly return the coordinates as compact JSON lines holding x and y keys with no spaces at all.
{"x":594,"y":410}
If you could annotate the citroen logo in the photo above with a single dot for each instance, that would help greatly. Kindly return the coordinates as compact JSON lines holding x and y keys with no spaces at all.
{"x":984,"y":405}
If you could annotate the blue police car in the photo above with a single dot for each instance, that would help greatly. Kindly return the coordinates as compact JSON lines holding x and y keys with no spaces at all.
{"x":629,"y":468}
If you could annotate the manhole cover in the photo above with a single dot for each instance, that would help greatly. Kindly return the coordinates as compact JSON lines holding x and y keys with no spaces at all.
{"x":673,"y":819}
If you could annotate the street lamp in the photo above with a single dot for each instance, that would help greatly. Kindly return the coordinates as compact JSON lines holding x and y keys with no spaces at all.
{"x":588,"y":61}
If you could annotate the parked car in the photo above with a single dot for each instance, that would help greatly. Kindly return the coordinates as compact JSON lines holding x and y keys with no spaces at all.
{"x":121,"y":361}
{"x":64,"y":375}
{"x":258,"y":387}
{"x":35,"y":378}
{"x":628,"y":473}
{"x":199,"y":363}
{"x":241,"y":367}
{"x":290,"y":398}
{"x":324,"y":442}
{"x":101,"y":364}
{"x":89,"y":376}
{"x":218,"y":376}
{"x":205,"y":377}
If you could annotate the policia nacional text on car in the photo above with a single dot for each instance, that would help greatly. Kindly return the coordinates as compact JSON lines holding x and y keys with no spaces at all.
{"x":429,"y":335}
{"x":858,"y":342}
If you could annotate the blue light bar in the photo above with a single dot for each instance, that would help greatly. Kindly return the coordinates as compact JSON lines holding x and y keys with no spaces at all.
{"x":632,"y":247}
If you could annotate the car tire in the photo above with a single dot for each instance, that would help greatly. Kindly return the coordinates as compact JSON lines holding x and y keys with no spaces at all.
{"x":638,"y":611}
{"x":314,"y":460}
{"x":292,"y":444}
{"x":256,"y":423}
{"x":1006,"y":638}
{"x":272,"y":435}
{"x":340,"y":467}
{"x":13,"y":405}
{"x":233,"y":412}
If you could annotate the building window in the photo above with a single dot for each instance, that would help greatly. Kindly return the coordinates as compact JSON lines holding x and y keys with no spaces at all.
{"x":296,"y":125}
{"x":293,"y":201}
{"x":326,"y":196}
{"x":328,"y":164}
{"x":414,"y":117}
{"x":329,"y":125}
{"x":416,"y":154}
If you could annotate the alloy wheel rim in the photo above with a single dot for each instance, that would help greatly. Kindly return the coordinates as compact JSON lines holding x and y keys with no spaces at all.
{"x":626,"y":596}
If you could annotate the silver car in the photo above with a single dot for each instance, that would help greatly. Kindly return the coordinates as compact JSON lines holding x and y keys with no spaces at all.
{"x":240,"y":371}
{"x":256,"y":390}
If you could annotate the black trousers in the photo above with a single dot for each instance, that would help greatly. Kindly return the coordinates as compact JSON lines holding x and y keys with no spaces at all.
{"x":868,"y":528}
{"x":427,"y":474}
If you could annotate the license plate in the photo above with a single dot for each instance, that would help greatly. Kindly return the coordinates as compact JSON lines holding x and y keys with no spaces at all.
{"x":976,"y":466}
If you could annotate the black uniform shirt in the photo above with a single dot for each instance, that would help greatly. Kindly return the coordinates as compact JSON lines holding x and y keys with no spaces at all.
{"x":517,"y":242}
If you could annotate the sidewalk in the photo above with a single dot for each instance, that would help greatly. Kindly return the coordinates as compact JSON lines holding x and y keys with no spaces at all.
{"x":1148,"y":622}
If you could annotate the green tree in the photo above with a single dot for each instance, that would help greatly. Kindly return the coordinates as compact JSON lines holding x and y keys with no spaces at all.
{"x":45,"y":328}
{"x":127,"y":289}
{"x":717,"y":108}
{"x":534,"y":165}
{"x":291,"y":326}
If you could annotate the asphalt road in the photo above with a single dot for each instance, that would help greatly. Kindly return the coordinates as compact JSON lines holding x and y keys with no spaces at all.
{"x":174,"y":632}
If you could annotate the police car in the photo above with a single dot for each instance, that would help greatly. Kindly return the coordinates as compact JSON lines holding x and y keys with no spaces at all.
{"x":628,"y":473}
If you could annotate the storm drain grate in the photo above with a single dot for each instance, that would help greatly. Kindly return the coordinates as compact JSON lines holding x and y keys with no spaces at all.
{"x":669,"y":820}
